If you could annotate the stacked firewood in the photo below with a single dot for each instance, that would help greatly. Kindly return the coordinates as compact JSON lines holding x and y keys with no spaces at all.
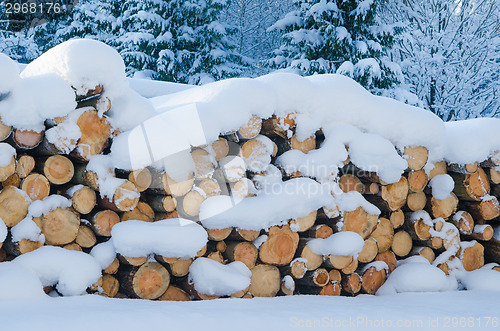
{"x":412,"y":221}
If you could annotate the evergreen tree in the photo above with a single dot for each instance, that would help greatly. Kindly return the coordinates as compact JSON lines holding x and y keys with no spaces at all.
{"x":177,"y":40}
{"x":342,"y":36}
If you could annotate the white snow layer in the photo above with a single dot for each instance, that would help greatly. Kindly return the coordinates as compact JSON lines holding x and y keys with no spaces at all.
{"x":416,"y":274}
{"x":273,"y":205}
{"x":9,"y":71}
{"x":345,"y":243}
{"x":175,"y":237}
{"x":7,"y":152}
{"x":18,"y":282}
{"x":442,"y":186}
{"x":3,"y":231}
{"x":214,"y":278}
{"x":72,"y":271}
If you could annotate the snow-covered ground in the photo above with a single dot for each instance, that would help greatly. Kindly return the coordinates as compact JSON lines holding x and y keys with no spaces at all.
{"x":458,"y":310}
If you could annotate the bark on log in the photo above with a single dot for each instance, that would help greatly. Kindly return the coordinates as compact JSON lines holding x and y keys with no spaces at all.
{"x":471,"y":187}
{"x":148,"y":281}
{"x":315,"y":278}
{"x":483,"y":211}
{"x":242,"y":251}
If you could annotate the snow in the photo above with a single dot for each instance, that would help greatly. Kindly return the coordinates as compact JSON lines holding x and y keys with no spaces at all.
{"x":104,"y":253}
{"x":72,"y":271}
{"x":7,"y":152}
{"x":352,"y":200}
{"x":378,"y":265}
{"x":3,"y":231}
{"x":416,"y":274}
{"x":289,"y":282}
{"x":151,"y":88}
{"x":234,"y":168}
{"x":170,"y":238}
{"x":9,"y":71}
{"x":442,"y":186}
{"x":27,"y":229}
{"x":18,"y":283}
{"x":481,"y":279}
{"x":422,"y":215}
{"x":429,"y":311}
{"x":273,"y":205}
{"x":52,"y":202}
{"x":214,"y":278}
{"x":343,"y":243}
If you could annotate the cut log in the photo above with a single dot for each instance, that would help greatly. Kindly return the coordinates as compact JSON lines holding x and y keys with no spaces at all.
{"x":26,"y":139}
{"x":383,"y":234}
{"x":486,"y":210}
{"x":389,"y":258}
{"x":251,"y":129}
{"x":188,"y":286}
{"x":210,"y":187}
{"x":14,"y":205}
{"x":416,"y":157}
{"x":280,"y":246}
{"x":265,"y":281}
{"x":162,"y":203}
{"x":359,"y":221}
{"x":174,"y":293}
{"x":5,"y":130}
{"x":12,"y":180}
{"x":148,"y":281}
{"x":322,"y":231}
{"x":25,"y":165}
{"x":255,"y":153}
{"x":216,"y":256}
{"x":36,"y":186}
{"x":371,"y":188}
{"x":304,"y":146}
{"x":440,"y":168}
{"x":415,"y":225}
{"x":297,"y":268}
{"x":113,"y":267}
{"x":351,"y":283}
{"x":60,"y":226}
{"x":315,"y":278}
{"x":58,"y":169}
{"x":416,"y":201}
{"x":85,"y":237}
{"x":142,"y":179}
{"x":471,"y":187}
{"x":220,"y":148}
{"x":203,"y":163}
{"x":177,"y":189}
{"x":23,"y":246}
{"x":463,"y":221}
{"x":218,"y":234}
{"x":395,"y":194}
{"x":372,"y":279}
{"x":83,"y":199}
{"x":95,"y":131}
{"x":350,"y":182}
{"x":337,"y":261}
{"x":244,"y":235}
{"x":369,"y":251}
{"x":424,"y":251}
{"x":132,"y":261}
{"x":402,"y":243}
{"x":83,"y":93}
{"x":280,"y":126}
{"x":242,"y":251}
{"x":191,"y":203}
{"x":142,"y":212}
{"x":463,"y":168}
{"x":417,"y":180}
{"x":472,"y":256}
{"x":179,"y":268}
{"x":84,"y":177}
{"x":302,"y":224}
{"x":351,"y":267}
{"x":483,"y":232}
{"x":73,"y":247}
{"x":444,"y":208}
{"x":494,"y":176}
{"x":314,"y":261}
{"x":492,"y":250}
{"x":287,"y":286}
{"x":8,"y":170}
{"x":397,"y":219}
{"x":103,"y":221}
{"x":110,"y":286}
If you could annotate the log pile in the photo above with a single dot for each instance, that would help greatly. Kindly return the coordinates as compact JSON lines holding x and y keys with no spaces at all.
{"x":412,"y":221}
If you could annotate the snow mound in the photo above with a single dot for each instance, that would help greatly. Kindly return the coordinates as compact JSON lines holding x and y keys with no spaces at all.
{"x":343,"y":243}
{"x":170,"y":238}
{"x":7,"y":152}
{"x":3,"y":231}
{"x":18,"y":282}
{"x":416,"y":274}
{"x":273,"y":205}
{"x":72,"y":271}
{"x":481,"y":279}
{"x":213,"y":278}
{"x":442,"y":186}
{"x":9,"y":71}
{"x":104,"y":253}
{"x":352,"y":200}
